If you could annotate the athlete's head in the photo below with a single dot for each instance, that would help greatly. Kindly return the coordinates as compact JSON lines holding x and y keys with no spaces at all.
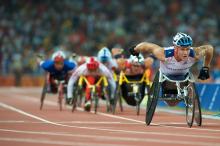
{"x":182,"y":43}
{"x":104,"y":55}
{"x":136,"y":61}
{"x":92,"y":65}
{"x":58,"y":58}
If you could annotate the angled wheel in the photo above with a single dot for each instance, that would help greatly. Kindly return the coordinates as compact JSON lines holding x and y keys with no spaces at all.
{"x":190,"y":105}
{"x":138,"y":100}
{"x":117,"y":99}
{"x":152,"y":99}
{"x":60,"y":96}
{"x":43,"y":95}
{"x":96,"y":102}
{"x":198,"y":113}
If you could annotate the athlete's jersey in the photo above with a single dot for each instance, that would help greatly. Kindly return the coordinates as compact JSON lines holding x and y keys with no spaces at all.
{"x":172,"y":67}
{"x":48,"y":65}
{"x":82,"y":70}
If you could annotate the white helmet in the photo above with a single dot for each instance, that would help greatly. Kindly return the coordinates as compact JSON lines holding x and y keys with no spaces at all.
{"x":182,"y":39}
{"x":104,"y":55}
{"x":136,"y":60}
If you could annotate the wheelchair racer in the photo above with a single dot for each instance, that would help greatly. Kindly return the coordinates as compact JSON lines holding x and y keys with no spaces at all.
{"x":91,"y":70}
{"x":134,"y":69}
{"x":179,"y":58}
{"x":58,"y":68}
{"x":176,"y":61}
{"x":105,"y":57}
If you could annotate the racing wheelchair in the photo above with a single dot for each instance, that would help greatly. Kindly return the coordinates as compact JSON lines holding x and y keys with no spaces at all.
{"x":137,"y":90}
{"x":60,"y":86}
{"x":174,"y":89}
{"x":78,"y":92}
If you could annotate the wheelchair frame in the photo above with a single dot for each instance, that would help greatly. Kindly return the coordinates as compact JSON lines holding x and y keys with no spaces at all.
{"x":60,"y":86}
{"x":135,"y":89}
{"x":94,"y":96}
{"x":192,"y":104}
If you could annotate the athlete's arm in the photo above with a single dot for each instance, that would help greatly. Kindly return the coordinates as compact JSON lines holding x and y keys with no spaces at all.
{"x":205,"y":51}
{"x":79,"y":71}
{"x":156,"y":50}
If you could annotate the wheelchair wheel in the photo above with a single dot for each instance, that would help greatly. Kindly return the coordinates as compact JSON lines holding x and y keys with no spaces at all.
{"x":152,"y":99}
{"x":60,"y":96}
{"x":117,"y":99}
{"x":77,"y":98}
{"x":138,"y":103}
{"x":96,"y":98}
{"x":43,"y":95}
{"x":190,"y":106}
{"x":198,"y":113}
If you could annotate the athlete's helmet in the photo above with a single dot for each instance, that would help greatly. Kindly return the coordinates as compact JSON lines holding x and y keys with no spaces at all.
{"x":92,"y":64}
{"x":182,"y":40}
{"x":58,"y":56}
{"x":104,"y":55}
{"x":136,"y":60}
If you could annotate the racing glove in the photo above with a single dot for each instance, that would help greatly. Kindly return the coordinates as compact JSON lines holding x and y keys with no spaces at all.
{"x":133,"y":52}
{"x":204,"y":73}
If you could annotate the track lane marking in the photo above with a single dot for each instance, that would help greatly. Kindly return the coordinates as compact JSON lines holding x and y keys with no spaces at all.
{"x":52,"y":103}
{"x":112,"y":138}
{"x":103,"y":129}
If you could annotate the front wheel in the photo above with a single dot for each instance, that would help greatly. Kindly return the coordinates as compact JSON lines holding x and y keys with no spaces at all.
{"x":43,"y":95}
{"x":60,"y":97}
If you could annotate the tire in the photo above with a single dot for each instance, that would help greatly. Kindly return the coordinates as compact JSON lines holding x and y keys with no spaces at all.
{"x":190,"y":106}
{"x":152,"y":99}
{"x":60,"y":96}
{"x":117,"y":99}
{"x":198,"y":113}
{"x":43,"y":95}
{"x":96,"y":102}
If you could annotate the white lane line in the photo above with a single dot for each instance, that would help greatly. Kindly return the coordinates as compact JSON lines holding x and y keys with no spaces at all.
{"x":53,"y":142}
{"x":68,"y":122}
{"x":104,"y":129}
{"x":113,"y":138}
{"x":29,"y":98}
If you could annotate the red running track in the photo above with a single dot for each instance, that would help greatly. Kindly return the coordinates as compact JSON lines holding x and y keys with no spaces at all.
{"x":23,"y":124}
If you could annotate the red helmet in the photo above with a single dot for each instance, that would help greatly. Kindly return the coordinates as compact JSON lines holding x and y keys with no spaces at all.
{"x":92,"y":64}
{"x":58,"y":56}
{"x":58,"y":59}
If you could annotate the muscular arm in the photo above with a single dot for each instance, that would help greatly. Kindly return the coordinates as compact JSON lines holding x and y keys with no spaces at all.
{"x":205,"y":51}
{"x":156,"y":50}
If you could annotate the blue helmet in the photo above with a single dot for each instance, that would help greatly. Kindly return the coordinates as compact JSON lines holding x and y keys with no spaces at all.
{"x":104,"y":55}
{"x":182,"y":40}
{"x":104,"y":59}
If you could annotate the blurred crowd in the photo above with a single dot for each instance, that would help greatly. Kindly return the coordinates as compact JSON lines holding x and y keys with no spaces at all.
{"x":28,"y":27}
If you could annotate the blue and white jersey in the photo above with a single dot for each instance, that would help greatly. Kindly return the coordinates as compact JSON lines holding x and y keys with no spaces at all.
{"x":172,"y":67}
{"x":48,"y":65}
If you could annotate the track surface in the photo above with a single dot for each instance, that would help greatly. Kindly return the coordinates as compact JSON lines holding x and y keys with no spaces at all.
{"x":23,"y":124}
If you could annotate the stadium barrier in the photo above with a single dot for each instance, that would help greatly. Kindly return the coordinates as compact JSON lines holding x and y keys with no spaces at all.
{"x":25,"y":81}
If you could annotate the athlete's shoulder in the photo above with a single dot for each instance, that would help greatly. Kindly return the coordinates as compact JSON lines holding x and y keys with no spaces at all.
{"x":169,"y":51}
{"x":69,"y":64}
{"x":192,"y":52}
{"x":47,"y":64}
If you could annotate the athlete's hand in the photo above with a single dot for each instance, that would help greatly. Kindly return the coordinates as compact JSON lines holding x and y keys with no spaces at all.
{"x":133,"y":52}
{"x":204,"y":73}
